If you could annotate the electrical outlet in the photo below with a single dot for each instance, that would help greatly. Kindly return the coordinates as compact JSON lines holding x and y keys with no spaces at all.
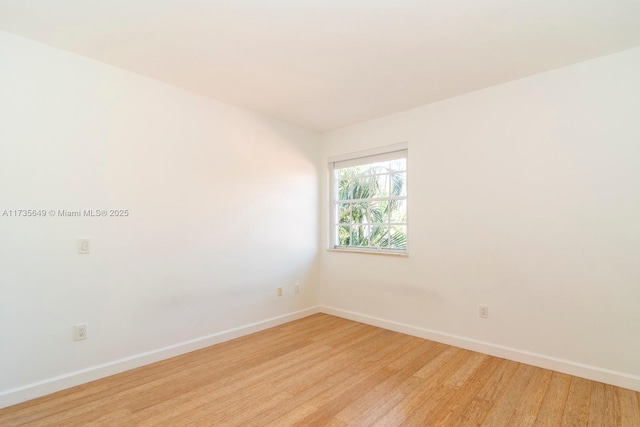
{"x":83,"y":246}
{"x":80,"y":332}
{"x":483,"y":311}
{"x":279,"y":291}
{"x":297,"y":288}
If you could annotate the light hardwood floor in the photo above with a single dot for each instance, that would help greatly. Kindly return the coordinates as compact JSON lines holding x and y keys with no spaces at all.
{"x":327,"y":371}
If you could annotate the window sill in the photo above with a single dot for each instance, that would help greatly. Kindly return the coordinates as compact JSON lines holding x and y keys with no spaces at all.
{"x":371,"y":252}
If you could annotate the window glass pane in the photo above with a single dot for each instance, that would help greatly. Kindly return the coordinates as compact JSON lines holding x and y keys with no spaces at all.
{"x":344,"y":235}
{"x":346,"y":173}
{"x":358,"y":236}
{"x":384,"y":210}
{"x":367,"y":235}
{"x":344,"y":213}
{"x":379,"y":235}
{"x":377,"y":211}
{"x":398,"y":211}
{"x":361,"y":170}
{"x":353,"y":189}
{"x":398,"y":237}
{"x":379,"y":167}
{"x":345,"y":189}
{"x":359,"y":213}
{"x":379,"y":186}
{"x":363,"y":190}
{"x":399,"y":165}
{"x":398,"y":184}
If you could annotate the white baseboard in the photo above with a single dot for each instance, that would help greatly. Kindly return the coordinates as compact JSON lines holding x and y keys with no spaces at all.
{"x":620,"y":379}
{"x":72,"y":379}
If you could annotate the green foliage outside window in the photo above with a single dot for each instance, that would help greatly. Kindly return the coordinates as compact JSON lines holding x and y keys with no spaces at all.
{"x":372,"y":205}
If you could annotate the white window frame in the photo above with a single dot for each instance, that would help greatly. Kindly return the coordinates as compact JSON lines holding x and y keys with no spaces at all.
{"x":390,"y":152}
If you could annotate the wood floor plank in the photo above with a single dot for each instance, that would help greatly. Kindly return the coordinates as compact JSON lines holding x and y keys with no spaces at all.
{"x":491,"y":394}
{"x":289,"y":418}
{"x":601,"y":405}
{"x":576,"y":411}
{"x":334,"y":400}
{"x":437,"y":370}
{"x":451,"y":412}
{"x":160,"y":395}
{"x":531,"y":398}
{"x":627,"y":407}
{"x":224,"y":392}
{"x":502,"y":411}
{"x":470,"y":367}
{"x":290,"y":381}
{"x":439,"y":396}
{"x":314,"y":394}
{"x":374,"y":403}
{"x":328,"y":371}
{"x":408,"y":355}
{"x":79,"y":400}
{"x":553,"y":404}
{"x":320,"y":388}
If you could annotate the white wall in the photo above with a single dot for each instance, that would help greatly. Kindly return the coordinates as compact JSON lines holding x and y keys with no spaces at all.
{"x":223,"y":203}
{"x":524,"y":197}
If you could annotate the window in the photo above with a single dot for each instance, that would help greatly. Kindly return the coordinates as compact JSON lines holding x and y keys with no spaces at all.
{"x":369,"y":200}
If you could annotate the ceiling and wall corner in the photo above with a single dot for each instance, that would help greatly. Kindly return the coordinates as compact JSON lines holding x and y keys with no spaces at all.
{"x":325,"y":65}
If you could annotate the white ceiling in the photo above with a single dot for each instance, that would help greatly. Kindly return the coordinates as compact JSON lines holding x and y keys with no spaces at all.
{"x":330,"y":63}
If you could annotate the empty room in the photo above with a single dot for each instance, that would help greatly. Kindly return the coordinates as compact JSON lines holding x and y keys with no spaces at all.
{"x":337,"y":213}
